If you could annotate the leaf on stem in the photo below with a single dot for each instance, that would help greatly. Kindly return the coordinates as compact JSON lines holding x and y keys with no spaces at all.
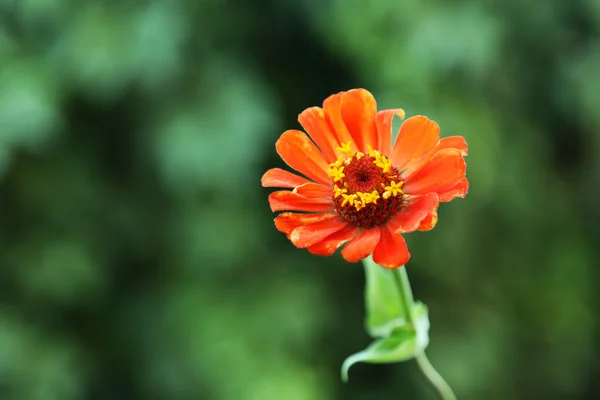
{"x":385,"y":309}
{"x":399,"y":326}
{"x":404,"y":343}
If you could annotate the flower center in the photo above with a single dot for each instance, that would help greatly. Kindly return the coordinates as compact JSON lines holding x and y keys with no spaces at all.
{"x":367,"y":189}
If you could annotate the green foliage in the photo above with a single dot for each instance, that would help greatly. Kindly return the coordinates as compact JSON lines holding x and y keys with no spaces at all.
{"x":399,"y":325}
{"x":384,"y":307}
{"x":403,"y":343}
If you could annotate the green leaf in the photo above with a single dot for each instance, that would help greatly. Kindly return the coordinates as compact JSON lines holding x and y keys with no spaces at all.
{"x":399,"y":325}
{"x":421,"y":321}
{"x":385,"y":309}
{"x":404,"y":343}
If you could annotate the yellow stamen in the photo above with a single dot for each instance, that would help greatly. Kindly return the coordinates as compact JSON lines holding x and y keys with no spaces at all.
{"x":375,"y":196}
{"x":336,"y":173}
{"x":359,"y":204}
{"x":373,"y":153}
{"x":338,"y":163}
{"x":393,"y":190}
{"x":337,"y":192}
{"x":364,"y":197}
{"x":383,"y":163}
{"x":359,"y":155}
{"x":346,"y":149}
{"x":367,"y":198}
{"x":348,"y":198}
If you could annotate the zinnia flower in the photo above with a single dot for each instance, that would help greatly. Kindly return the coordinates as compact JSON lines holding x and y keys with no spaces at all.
{"x":358,"y":189}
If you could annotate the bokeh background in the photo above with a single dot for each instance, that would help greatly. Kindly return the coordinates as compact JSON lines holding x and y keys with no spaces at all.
{"x":138,"y":259}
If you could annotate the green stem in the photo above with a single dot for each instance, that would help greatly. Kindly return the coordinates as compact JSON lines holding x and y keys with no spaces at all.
{"x":405,"y":292}
{"x":433,"y":377}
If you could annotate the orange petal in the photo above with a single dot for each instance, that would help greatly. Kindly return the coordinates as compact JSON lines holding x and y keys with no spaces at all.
{"x":429,"y":222}
{"x":332,"y":106}
{"x":429,"y":202}
{"x":383,"y":124}
{"x":329,"y":245}
{"x":454,"y":142}
{"x":417,"y":136}
{"x":460,"y":190}
{"x":314,"y":190}
{"x":450,"y":142}
{"x":358,"y":112}
{"x":362,"y":245}
{"x":314,"y":122}
{"x":444,"y":171}
{"x":418,"y":210}
{"x":391,"y":251}
{"x":406,"y":221}
{"x":277,"y":177}
{"x":296,"y":149}
{"x":307,"y":235}
{"x":284,"y":200}
{"x":287,"y":222}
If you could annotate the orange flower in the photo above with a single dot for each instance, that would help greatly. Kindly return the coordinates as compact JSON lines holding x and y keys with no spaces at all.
{"x":361,"y":191}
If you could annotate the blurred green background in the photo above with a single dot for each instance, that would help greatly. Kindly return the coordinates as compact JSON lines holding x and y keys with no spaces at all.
{"x":138,"y":258}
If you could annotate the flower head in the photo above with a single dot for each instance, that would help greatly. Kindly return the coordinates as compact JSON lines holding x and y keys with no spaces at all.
{"x":359,"y":191}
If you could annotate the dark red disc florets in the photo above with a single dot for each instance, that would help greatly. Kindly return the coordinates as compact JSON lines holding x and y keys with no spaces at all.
{"x":367,"y":189}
